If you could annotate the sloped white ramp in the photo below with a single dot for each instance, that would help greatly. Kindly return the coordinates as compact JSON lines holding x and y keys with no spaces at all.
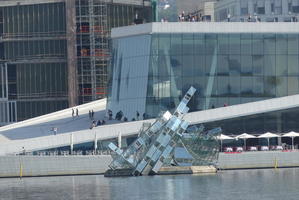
{"x":131,"y":128}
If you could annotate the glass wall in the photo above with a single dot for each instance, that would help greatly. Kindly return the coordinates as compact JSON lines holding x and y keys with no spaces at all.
{"x":282,"y":121}
{"x":226,"y":69}
{"x":34,"y":47}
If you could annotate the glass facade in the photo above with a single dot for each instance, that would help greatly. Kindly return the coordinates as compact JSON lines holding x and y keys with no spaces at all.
{"x":282,"y":121}
{"x":34,"y":48}
{"x":260,"y":10}
{"x":226,"y":69}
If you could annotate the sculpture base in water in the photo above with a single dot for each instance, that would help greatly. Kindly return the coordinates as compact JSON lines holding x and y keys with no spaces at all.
{"x":172,"y":170}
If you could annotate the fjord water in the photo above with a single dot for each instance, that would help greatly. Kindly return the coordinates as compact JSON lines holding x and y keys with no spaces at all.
{"x":239,"y":184}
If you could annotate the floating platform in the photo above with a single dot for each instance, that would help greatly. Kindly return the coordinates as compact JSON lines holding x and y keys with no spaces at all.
{"x":118,"y":172}
{"x":187,"y":170}
{"x":173,"y":170}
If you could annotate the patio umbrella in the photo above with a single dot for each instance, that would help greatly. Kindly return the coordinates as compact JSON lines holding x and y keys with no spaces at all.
{"x":291,"y":134}
{"x":268,"y":135}
{"x":245,"y":136}
{"x":223,"y":137}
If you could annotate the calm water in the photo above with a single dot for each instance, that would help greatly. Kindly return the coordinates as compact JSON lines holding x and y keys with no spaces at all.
{"x":243,"y":185}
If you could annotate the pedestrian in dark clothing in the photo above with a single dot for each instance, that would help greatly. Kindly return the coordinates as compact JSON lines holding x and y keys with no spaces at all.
{"x":77,"y":112}
{"x":23,"y":151}
{"x":137,"y":115}
{"x":54,"y":130}
{"x":73,"y":113}
{"x":109,"y":114}
{"x":89,"y":114}
{"x":92,"y":114}
{"x":144,"y":116}
{"x":119,"y":115}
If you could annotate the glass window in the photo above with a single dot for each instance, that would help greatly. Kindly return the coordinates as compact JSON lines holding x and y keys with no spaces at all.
{"x":154,"y":46}
{"x":200,"y":83}
{"x":234,"y":101}
{"x":281,"y":44}
{"x":293,"y":85}
{"x":269,"y":43}
{"x":199,"y":44}
{"x":293,"y":43}
{"x":246,"y":45}
{"x":234,"y":65}
{"x":246,"y":86}
{"x":281,"y":65}
{"x":211,"y":43}
{"x":176,"y":44}
{"x":223,"y":85}
{"x":257,"y":45}
{"x":199,"y":65}
{"x":246,"y":65}
{"x":269,"y":65}
{"x":282,"y":86}
{"x":234,"y":86}
{"x":258,"y":86}
{"x":211,"y":65}
{"x":223,"y":44}
{"x":188,"y":65}
{"x":223,"y":65}
{"x":270,"y":83}
{"x":234,"y":44}
{"x":187,"y":44}
{"x":293,"y":64}
{"x":164,"y":44}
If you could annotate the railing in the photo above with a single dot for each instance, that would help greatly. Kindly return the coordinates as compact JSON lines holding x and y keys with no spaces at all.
{"x":33,"y":34}
{"x":66,"y":153}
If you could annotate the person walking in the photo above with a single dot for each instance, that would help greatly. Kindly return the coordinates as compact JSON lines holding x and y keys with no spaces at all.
{"x":55,"y":130}
{"x":228,"y":17}
{"x":77,"y":112}
{"x":73,"y":113}
{"x":92,"y":114}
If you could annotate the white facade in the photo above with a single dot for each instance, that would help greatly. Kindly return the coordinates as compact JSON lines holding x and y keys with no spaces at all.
{"x":131,"y":128}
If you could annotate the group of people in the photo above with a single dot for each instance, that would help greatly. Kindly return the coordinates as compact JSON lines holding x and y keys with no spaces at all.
{"x":190,"y":17}
{"x":96,"y":123}
{"x":91,"y":114}
{"x":120,"y":116}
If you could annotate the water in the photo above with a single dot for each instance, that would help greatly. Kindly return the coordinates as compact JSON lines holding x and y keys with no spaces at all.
{"x":244,"y":185}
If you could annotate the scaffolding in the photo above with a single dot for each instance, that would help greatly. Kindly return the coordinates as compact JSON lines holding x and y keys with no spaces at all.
{"x":92,"y":48}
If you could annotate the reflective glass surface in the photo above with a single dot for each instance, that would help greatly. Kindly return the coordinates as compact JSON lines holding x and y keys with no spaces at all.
{"x":226,"y":69}
{"x":282,"y":121}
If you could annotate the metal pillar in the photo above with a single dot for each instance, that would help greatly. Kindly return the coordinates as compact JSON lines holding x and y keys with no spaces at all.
{"x":71,"y":52}
{"x":72,"y":142}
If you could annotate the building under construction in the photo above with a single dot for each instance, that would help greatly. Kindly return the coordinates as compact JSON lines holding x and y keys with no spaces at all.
{"x":54,"y":53}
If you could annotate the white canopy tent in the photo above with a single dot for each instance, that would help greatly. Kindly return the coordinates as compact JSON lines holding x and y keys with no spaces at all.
{"x":268,"y":135}
{"x":223,"y":137}
{"x":245,"y":136}
{"x":291,"y":134}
